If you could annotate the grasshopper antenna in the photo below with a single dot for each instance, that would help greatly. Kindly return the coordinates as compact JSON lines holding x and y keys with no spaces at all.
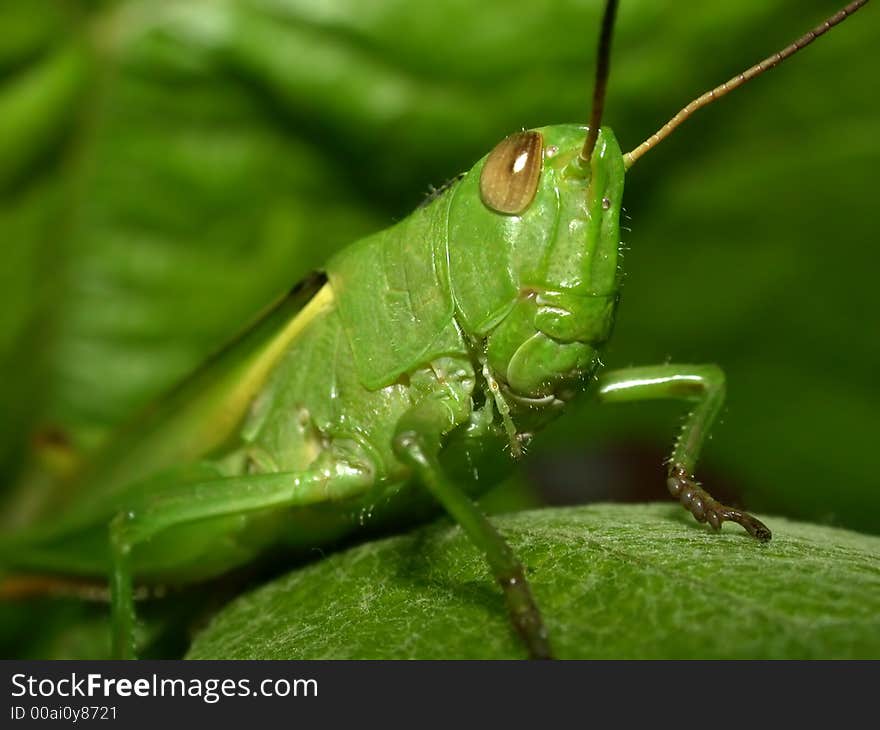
{"x":630,"y":158}
{"x":603,"y":68}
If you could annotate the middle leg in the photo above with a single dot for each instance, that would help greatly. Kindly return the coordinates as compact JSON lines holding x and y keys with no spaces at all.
{"x":417,"y":444}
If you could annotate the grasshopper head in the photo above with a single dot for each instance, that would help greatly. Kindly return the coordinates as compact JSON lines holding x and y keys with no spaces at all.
{"x":556,"y":217}
{"x":568,"y":292}
{"x":578,"y":203}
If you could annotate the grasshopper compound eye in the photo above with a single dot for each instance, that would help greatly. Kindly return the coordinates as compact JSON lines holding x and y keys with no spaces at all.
{"x":509,"y":179}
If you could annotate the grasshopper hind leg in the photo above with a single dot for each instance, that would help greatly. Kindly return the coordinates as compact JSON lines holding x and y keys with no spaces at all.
{"x":704,"y":386}
{"x":328,"y":479}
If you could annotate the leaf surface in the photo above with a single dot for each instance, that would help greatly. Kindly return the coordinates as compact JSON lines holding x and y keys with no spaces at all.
{"x":612,"y":581}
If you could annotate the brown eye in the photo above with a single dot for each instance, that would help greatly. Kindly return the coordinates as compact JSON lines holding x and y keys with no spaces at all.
{"x":509,"y":179}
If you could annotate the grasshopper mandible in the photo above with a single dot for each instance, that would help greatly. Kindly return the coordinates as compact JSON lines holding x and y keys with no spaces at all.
{"x":376,"y":385}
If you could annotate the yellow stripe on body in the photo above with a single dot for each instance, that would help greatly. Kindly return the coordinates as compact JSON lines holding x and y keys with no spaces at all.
{"x":219,"y":421}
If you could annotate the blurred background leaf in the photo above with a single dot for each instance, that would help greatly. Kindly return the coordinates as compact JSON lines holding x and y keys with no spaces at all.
{"x":168,"y":167}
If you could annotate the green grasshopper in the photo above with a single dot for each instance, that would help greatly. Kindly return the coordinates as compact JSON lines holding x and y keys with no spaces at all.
{"x":376,"y":386}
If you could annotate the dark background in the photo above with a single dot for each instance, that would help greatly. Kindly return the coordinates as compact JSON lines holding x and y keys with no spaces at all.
{"x":166,"y":169}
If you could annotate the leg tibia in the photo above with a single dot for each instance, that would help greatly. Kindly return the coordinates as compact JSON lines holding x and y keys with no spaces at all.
{"x":704,"y":386}
{"x":416,"y":444}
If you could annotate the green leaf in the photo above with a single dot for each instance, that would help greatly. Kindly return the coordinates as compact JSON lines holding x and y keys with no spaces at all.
{"x":612,"y":582}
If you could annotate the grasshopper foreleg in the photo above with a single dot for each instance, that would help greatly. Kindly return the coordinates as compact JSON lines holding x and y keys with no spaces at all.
{"x":704,"y":385}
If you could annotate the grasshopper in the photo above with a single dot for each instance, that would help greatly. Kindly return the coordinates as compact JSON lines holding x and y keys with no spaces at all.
{"x":376,"y":385}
